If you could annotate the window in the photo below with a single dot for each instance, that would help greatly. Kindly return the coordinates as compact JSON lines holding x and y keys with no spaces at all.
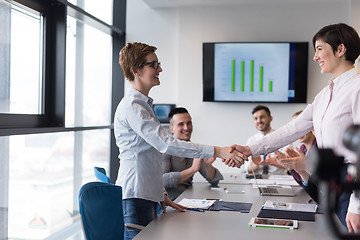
{"x":27,"y":95}
{"x":22,"y":86}
{"x":58,"y":74}
{"x":92,"y":6}
{"x":43,"y":189}
{"x":88,"y":75}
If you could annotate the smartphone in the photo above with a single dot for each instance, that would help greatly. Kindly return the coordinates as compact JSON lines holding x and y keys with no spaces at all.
{"x":251,"y":176}
{"x":273,"y":223}
{"x":216,"y":187}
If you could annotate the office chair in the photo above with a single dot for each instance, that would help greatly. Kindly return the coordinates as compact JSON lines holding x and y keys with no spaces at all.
{"x":100,"y":206}
{"x":100,"y":173}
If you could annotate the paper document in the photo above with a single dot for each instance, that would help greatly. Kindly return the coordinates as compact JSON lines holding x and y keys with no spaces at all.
{"x":284,"y":180}
{"x":298,"y":207}
{"x":275,"y":181}
{"x":263,"y":181}
{"x":280,"y":177}
{"x":197,"y":203}
{"x":287,"y":182}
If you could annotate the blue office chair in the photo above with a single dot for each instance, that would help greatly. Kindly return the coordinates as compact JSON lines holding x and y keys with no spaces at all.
{"x":100,"y":173}
{"x":100,"y":206}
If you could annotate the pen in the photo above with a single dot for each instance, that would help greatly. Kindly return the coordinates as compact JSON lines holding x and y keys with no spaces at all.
{"x":196,"y":209}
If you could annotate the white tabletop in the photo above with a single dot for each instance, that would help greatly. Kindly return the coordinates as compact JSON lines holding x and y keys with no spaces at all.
{"x":213,"y":225}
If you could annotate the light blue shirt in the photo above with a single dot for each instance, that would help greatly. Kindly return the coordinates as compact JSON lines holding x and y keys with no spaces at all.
{"x":141,"y":140}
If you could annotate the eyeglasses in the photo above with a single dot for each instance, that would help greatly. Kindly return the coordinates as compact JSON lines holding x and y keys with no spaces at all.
{"x":153,"y":64}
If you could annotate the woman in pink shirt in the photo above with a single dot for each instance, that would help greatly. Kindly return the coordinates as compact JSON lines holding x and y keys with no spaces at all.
{"x":335,"y":108}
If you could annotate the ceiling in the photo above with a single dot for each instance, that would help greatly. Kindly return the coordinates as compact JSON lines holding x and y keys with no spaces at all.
{"x":189,"y":3}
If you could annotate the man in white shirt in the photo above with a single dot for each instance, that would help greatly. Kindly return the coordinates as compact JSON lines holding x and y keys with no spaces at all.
{"x":262,"y":119}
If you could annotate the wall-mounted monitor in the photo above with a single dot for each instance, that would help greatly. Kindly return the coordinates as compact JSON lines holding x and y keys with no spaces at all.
{"x":162,"y":111}
{"x":255,"y":72}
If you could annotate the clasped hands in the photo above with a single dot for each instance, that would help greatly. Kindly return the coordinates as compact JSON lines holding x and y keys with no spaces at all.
{"x":231,"y":154}
{"x":242,"y":151}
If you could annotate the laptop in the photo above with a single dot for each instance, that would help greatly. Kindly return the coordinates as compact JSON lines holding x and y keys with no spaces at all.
{"x":276,"y":191}
{"x":273,"y":191}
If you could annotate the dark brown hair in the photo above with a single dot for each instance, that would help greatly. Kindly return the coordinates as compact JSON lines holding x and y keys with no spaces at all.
{"x":337,"y":34}
{"x":177,"y":110}
{"x":261,"y":107}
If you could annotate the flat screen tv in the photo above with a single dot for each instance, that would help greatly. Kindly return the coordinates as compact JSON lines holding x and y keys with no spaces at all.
{"x":255,"y":72}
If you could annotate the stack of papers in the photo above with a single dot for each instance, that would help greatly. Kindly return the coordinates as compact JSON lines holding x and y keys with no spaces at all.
{"x":197,"y":203}
{"x":298,"y":207}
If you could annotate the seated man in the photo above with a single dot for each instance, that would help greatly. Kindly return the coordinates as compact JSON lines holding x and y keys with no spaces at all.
{"x":262,"y":119}
{"x":178,"y":171}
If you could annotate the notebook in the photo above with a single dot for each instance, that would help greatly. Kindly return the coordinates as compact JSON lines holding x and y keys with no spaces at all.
{"x":280,"y":214}
{"x":231,"y":206}
{"x":282,"y":210}
{"x":273,"y":191}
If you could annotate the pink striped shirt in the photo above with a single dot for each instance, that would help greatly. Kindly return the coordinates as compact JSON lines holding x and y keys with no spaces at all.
{"x":329,"y":114}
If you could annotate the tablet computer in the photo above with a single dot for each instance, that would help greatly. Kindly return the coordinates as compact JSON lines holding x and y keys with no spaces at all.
{"x":273,"y":223}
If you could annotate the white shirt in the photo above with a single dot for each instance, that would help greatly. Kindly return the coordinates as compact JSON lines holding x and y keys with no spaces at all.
{"x":328,"y":117}
{"x":272,"y":169}
{"x":141,"y":140}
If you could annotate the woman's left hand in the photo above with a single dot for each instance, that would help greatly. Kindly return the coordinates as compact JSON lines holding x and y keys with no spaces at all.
{"x":295,"y":160}
{"x":167,"y":202}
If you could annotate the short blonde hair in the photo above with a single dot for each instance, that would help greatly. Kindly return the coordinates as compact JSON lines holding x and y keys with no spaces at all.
{"x":132,"y":56}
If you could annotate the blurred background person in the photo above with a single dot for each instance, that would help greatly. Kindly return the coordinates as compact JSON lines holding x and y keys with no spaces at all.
{"x":262,"y":120}
{"x":296,"y":163}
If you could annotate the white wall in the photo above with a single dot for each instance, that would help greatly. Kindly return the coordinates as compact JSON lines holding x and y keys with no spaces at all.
{"x":179,"y":33}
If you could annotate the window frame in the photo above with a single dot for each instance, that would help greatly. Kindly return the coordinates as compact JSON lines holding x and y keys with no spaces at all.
{"x":52,"y":118}
{"x":54,"y":63}
{"x":53,"y":71}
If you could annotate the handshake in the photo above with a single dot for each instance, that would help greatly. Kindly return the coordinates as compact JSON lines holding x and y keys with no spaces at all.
{"x":233,"y":156}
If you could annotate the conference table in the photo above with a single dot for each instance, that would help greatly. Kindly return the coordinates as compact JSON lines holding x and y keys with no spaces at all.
{"x":221,"y":225}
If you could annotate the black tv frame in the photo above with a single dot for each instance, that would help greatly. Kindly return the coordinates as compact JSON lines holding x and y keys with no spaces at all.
{"x":301,"y":76}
